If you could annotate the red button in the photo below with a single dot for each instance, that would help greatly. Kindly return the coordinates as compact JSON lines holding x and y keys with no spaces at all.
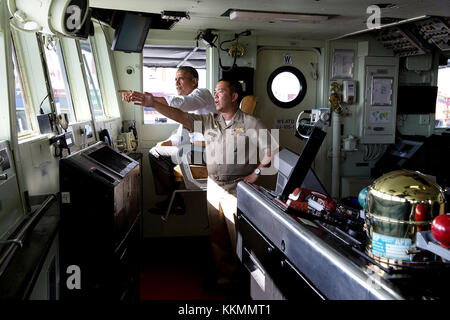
{"x":440,"y":229}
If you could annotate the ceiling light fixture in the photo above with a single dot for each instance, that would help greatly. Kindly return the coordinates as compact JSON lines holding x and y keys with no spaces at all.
{"x":175,"y":15}
{"x":270,"y":16}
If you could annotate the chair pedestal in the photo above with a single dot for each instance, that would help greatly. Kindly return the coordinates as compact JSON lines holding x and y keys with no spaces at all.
{"x":195,"y":178}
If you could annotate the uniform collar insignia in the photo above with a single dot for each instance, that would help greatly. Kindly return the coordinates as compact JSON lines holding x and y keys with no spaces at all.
{"x":239,"y":131}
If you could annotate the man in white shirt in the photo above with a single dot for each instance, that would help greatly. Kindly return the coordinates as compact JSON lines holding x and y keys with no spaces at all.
{"x":190,"y":99}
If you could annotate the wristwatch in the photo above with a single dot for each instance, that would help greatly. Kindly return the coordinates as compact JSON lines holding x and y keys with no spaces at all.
{"x":257,"y":171}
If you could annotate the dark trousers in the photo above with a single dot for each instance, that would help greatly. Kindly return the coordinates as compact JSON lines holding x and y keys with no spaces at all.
{"x":162,"y":163}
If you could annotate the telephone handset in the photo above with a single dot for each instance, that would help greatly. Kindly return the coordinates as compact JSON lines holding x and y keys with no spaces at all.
{"x":105,"y":136}
{"x":309,"y":201}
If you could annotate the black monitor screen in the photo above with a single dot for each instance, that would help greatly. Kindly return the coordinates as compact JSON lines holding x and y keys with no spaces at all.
{"x":303,"y":162}
{"x":110,"y":159}
{"x":416,"y":99}
{"x":287,"y":161}
{"x":131,"y":33}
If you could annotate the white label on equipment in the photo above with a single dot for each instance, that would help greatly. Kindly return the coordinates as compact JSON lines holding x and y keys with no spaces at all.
{"x":65,"y":197}
{"x":391,"y":247}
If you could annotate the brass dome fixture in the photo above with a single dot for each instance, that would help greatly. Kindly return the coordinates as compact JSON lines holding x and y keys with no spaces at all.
{"x":398,"y":205}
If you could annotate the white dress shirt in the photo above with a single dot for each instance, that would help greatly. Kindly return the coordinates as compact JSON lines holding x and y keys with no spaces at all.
{"x":199,"y":101}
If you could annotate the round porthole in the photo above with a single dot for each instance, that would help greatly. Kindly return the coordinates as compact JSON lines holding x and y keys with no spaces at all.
{"x":286,"y":87}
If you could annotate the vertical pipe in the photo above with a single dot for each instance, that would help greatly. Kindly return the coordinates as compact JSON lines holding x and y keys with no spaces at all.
{"x":336,"y":155}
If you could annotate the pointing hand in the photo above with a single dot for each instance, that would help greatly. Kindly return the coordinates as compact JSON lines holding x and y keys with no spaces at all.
{"x":126,"y":94}
{"x":139,"y":98}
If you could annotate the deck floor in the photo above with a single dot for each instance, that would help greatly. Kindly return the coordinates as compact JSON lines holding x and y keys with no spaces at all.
{"x":182,"y":268}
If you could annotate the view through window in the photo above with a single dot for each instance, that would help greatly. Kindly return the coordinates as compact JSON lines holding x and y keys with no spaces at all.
{"x":58,"y":79}
{"x":443,"y":97}
{"x":91,"y":75}
{"x":23,"y":120}
{"x":286,"y":87}
{"x":160,"y":82}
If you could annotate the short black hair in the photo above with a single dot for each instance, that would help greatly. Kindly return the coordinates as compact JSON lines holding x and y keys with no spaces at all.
{"x":190,"y":70}
{"x":235,"y":87}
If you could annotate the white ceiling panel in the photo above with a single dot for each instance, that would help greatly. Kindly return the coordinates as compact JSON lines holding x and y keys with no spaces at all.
{"x":351,"y":14}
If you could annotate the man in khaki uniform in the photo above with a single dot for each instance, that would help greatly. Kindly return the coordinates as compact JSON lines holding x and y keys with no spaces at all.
{"x":233,"y":139}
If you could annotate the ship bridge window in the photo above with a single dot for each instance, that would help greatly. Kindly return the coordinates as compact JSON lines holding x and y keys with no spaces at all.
{"x":160,"y":66}
{"x":22,"y":107}
{"x":58,"y":78}
{"x":92,"y":79}
{"x":286,"y":87}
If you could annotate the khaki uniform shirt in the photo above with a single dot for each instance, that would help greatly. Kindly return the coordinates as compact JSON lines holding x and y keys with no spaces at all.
{"x":233,"y":150}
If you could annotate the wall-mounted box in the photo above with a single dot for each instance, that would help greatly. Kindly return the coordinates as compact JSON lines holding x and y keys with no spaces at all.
{"x":379,"y":82}
{"x":419,"y":63}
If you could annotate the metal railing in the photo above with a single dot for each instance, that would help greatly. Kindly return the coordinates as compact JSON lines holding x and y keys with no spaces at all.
{"x":19,"y":238}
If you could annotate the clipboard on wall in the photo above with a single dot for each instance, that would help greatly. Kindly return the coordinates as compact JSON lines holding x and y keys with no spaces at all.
{"x":342,"y":65}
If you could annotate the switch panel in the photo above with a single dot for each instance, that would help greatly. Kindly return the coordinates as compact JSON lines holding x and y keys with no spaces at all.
{"x":400,"y":42}
{"x":437,"y":31}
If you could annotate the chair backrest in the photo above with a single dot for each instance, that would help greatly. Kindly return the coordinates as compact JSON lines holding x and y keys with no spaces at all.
{"x":189,"y":181}
{"x":248,"y":104}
